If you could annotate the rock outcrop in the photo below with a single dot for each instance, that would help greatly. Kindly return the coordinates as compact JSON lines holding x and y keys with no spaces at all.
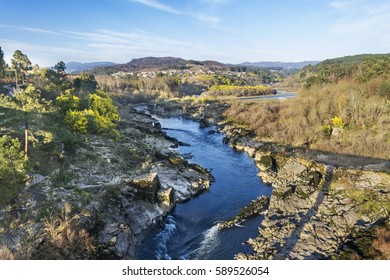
{"x":320,"y":200}
{"x":256,"y":207}
{"x":316,"y":203}
{"x":108,"y":194}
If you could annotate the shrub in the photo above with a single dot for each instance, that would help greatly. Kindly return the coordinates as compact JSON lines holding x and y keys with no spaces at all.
{"x":337,"y":123}
{"x":384,"y":89}
{"x":65,"y":238}
{"x":327,"y":130}
{"x":71,"y":140}
{"x":12,"y":160}
{"x":77,"y":121}
{"x":67,"y":102}
{"x":382,"y":242}
{"x":6,"y":254}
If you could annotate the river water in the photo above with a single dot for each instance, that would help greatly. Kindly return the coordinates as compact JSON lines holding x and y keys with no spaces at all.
{"x":190,"y":231}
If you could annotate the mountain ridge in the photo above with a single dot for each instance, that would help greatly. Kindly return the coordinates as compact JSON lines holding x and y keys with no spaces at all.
{"x":74,"y":67}
{"x":288,"y":65}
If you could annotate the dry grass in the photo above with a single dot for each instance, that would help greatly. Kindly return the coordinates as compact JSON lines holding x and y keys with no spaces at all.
{"x":65,"y":239}
{"x":300,"y":121}
{"x":382,"y":242}
{"x":6,"y":254}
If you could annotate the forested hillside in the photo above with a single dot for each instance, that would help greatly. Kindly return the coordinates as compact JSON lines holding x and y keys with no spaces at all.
{"x":44,"y":113}
{"x":343,"y":106}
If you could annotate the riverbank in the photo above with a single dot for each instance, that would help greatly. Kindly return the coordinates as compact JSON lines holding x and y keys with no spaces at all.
{"x":322,"y":203}
{"x":191,"y":230}
{"x":102,"y":199}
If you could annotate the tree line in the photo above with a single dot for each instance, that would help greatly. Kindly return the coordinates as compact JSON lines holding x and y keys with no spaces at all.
{"x":54,"y":108}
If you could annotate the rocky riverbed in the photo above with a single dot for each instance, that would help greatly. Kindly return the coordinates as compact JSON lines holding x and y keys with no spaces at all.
{"x":323,"y":205}
{"x":102,"y":199}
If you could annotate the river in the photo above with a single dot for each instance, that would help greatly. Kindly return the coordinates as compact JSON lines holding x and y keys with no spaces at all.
{"x":190,"y":231}
{"x":279,"y":95}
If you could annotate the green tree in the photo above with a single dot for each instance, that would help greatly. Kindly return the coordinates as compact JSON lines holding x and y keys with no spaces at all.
{"x":51,"y":83}
{"x":29,"y":100}
{"x":12,"y":163}
{"x":86,"y":83}
{"x":60,"y":67}
{"x":20,"y":64}
{"x":2,"y":63}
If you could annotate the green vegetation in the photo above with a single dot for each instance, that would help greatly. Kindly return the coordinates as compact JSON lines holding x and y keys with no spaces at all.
{"x":241,"y":90}
{"x":361,"y":68}
{"x":12,"y":168}
{"x":358,"y":107}
{"x":2,"y":63}
{"x":179,"y":78}
{"x":98,"y":117}
{"x":47,"y":115}
{"x":20,"y":64}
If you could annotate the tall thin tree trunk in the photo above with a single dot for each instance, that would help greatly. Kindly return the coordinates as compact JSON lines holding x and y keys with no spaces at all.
{"x":25,"y":135}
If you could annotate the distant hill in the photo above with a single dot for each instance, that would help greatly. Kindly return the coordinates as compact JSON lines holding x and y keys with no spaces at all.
{"x":278,"y":64}
{"x":153,"y":63}
{"x":362,"y":67}
{"x":77,"y":67}
{"x":164,"y":63}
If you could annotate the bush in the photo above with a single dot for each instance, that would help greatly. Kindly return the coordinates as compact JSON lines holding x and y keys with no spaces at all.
{"x":12,"y":160}
{"x":99,"y":117}
{"x":309,"y":118}
{"x":65,"y":239}
{"x":71,"y":140}
{"x":77,"y":121}
{"x":327,"y":130}
{"x":67,"y":102}
{"x":384,"y":89}
{"x":61,"y":178}
{"x":382,"y":242}
{"x":12,"y":168}
{"x":337,"y":123}
{"x":6,"y":254}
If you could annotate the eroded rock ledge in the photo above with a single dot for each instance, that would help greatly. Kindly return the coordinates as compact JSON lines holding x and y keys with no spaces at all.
{"x":322,"y":203}
{"x":101,"y":200}
{"x":316,"y":205}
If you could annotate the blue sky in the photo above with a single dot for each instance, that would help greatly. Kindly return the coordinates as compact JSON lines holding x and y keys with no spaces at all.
{"x":231,"y":31}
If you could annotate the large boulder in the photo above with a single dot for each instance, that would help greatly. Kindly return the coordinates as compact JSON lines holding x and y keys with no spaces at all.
{"x":146,"y":187}
{"x":118,"y":240}
{"x":165,"y":198}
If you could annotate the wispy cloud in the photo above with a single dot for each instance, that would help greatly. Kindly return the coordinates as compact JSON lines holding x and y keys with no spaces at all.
{"x":159,"y":6}
{"x":39,"y":30}
{"x":136,"y":39}
{"x":360,"y":23}
{"x":217,"y":2}
{"x":342,"y":4}
{"x":41,"y":54}
{"x":29,"y":29}
{"x":155,"y":4}
{"x":102,"y":44}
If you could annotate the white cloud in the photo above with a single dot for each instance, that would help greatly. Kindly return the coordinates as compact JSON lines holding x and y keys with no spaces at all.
{"x":342,"y":4}
{"x":217,"y":2}
{"x":30,"y":29}
{"x":159,"y":6}
{"x":155,"y":4}
{"x":98,"y":45}
{"x":207,"y":18}
{"x":40,"y":54}
{"x":359,"y":24}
